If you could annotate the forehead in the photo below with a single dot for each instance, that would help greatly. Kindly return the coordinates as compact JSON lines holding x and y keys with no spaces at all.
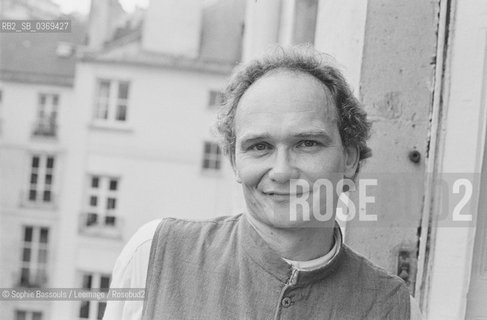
{"x":286,"y":94}
{"x":289,"y":91}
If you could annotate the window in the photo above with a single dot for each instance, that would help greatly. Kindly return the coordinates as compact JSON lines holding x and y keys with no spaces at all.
{"x":111,"y":102}
{"x":28,"y":315}
{"x":33,"y":272}
{"x":212,"y":156}
{"x":45,"y":124}
{"x":93,"y":309}
{"x":41,"y":178}
{"x":215,"y":99}
{"x":102,"y":201}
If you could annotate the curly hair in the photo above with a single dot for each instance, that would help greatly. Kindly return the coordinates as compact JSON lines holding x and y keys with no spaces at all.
{"x":353,"y":126}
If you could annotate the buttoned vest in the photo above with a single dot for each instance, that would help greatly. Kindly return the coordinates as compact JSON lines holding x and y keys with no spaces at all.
{"x":223,"y":270}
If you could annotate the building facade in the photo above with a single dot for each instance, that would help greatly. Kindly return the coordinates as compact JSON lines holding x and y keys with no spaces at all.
{"x":93,"y":148}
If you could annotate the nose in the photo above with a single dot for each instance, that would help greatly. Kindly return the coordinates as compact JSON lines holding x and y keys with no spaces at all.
{"x":283,"y":168}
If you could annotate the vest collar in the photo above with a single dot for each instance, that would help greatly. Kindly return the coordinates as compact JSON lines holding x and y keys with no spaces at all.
{"x":260,"y":253}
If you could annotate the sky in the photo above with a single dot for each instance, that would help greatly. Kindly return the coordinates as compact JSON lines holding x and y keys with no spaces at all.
{"x":83,"y":6}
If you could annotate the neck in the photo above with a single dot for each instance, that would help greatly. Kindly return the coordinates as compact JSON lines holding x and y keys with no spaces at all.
{"x":299,"y":243}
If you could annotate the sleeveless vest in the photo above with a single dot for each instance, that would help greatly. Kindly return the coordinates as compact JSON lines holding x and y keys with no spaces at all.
{"x":222,"y":269}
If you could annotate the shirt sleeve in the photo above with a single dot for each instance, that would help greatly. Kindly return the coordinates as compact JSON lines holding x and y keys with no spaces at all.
{"x":415,"y":311}
{"x":130,"y":271}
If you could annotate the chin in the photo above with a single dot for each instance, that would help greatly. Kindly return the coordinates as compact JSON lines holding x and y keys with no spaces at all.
{"x":281,"y":218}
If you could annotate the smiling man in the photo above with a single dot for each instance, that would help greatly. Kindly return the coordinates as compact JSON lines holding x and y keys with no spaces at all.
{"x":289,"y":117}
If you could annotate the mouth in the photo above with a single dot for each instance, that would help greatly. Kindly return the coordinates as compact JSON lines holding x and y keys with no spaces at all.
{"x":282,"y":195}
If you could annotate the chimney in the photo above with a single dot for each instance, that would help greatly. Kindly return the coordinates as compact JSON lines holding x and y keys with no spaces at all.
{"x":173,"y":27}
{"x":105,"y":17}
{"x":262,"y":22}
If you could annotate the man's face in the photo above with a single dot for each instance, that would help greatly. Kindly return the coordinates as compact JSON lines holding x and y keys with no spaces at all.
{"x":286,"y":128}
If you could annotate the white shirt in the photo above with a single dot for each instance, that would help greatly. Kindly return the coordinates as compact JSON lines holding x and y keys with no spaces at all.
{"x":130,"y":271}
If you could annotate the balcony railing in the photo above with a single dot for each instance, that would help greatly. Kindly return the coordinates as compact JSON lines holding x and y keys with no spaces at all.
{"x":45,"y":127}
{"x":107,"y":226}
{"x":41,"y":200}
{"x":33,"y":280}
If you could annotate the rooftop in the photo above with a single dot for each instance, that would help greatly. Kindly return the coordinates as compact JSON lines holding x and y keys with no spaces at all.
{"x":47,"y":58}
{"x":219,"y":51}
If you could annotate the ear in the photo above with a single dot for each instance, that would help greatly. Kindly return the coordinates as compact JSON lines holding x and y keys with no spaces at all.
{"x":351,"y":161}
{"x":235,"y":171}
{"x":237,"y":177}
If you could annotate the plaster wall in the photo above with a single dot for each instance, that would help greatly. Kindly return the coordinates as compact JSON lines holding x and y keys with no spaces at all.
{"x":396,"y":88}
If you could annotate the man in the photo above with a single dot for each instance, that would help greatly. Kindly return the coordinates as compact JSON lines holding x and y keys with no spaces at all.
{"x":289,"y":121}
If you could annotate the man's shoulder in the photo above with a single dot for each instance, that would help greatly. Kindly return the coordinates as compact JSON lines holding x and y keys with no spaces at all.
{"x":140,"y":239}
{"x":191,"y":227}
{"x":181,"y":231}
{"x":201,"y":223}
{"x":371,"y":275}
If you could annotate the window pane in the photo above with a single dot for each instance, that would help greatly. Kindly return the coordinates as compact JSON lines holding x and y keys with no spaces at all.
{"x":44,"y":235}
{"x":206,"y":164}
{"x":41,"y":276}
{"x":207,"y":147}
{"x":103,"y":95}
{"x":121,"y":112}
{"x":26,"y":255}
{"x":103,"y":89}
{"x":42,"y":99}
{"x":94,"y":182}
{"x":87,"y":279}
{"x":24,"y":276}
{"x":20,"y":315}
{"x":35,"y":162}
{"x":110,"y":220}
{"x":33,"y":178}
{"x":123,"y":90}
{"x":102,"y":109}
{"x":215,"y":99}
{"x":111,"y":203}
{"x":113,"y":184}
{"x":28,"y":234}
{"x":46,"y":196}
{"x":37,"y":316}
{"x":104,"y":282}
{"x":55,"y":99}
{"x":101,"y":310}
{"x":42,"y":258}
{"x":50,"y":162}
{"x":32,"y":195}
{"x":84,"y":310}
{"x":92,"y":219}
{"x":93,"y":201}
{"x":48,"y":179}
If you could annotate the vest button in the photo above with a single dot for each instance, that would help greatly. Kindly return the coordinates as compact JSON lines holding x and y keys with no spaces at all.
{"x":286,"y":302}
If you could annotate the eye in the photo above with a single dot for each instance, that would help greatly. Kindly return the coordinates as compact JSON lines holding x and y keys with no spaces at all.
{"x":261,"y":146}
{"x":308,"y":143}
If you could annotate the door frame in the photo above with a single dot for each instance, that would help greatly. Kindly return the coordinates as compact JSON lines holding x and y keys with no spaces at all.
{"x":459,"y":116}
